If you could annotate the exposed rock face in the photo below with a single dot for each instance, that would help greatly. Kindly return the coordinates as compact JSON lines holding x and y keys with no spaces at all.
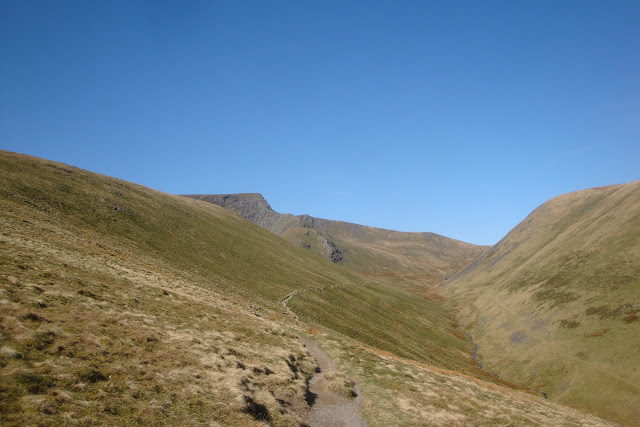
{"x":335,"y":254}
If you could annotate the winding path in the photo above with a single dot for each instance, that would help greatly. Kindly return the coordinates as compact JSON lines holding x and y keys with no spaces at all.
{"x":328,"y":409}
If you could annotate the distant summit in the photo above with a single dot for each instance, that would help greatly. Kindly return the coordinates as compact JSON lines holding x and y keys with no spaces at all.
{"x":254,"y":207}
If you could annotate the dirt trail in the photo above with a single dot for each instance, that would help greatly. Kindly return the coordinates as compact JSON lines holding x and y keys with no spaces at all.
{"x":330,"y":409}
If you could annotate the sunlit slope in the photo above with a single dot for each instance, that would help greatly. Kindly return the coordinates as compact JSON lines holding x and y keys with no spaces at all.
{"x":416,"y":260}
{"x":554,"y":305}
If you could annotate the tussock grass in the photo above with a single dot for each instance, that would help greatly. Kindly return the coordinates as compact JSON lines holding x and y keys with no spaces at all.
{"x":341,"y":384}
{"x":125,"y":351}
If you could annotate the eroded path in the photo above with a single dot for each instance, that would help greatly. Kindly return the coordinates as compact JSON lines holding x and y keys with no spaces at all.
{"x":330,"y":409}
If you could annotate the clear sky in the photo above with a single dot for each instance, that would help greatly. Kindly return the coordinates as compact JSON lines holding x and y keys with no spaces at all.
{"x":453,"y":117}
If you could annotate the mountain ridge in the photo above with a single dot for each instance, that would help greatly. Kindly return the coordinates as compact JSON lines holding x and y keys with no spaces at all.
{"x":234,"y":200}
{"x":418,"y":259}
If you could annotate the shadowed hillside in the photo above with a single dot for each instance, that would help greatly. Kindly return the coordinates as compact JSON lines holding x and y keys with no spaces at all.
{"x":554,"y":305}
{"x":415,"y":260}
{"x":122,"y":305}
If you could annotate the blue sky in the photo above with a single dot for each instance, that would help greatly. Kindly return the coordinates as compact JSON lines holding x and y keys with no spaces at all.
{"x":446,"y":116}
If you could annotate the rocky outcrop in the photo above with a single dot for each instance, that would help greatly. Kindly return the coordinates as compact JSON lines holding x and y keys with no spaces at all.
{"x":330,"y":249}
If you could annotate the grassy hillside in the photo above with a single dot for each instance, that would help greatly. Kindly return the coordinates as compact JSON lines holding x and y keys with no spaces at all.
{"x":121,"y":305}
{"x":413,"y":260}
{"x":124,"y":303}
{"x":554,"y":305}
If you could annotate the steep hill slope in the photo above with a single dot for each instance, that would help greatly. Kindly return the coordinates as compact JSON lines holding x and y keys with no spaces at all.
{"x":554,"y":305}
{"x":416,"y":260}
{"x":121,"y":305}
